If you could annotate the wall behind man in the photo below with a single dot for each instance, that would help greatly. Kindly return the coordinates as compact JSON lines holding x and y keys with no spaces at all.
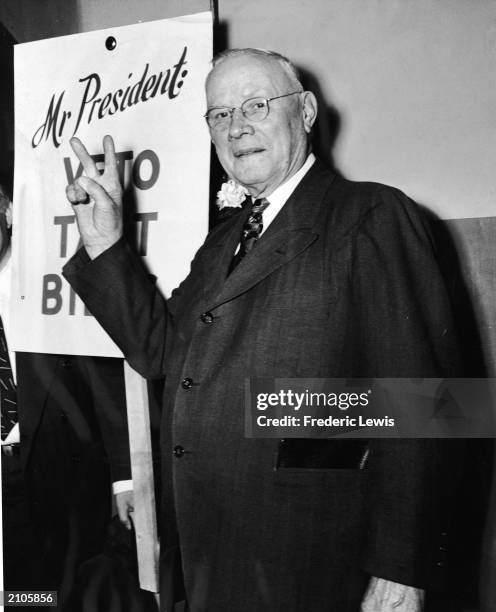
{"x":412,"y":81}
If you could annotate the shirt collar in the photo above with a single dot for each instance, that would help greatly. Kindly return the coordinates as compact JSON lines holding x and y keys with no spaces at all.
{"x":280,"y":195}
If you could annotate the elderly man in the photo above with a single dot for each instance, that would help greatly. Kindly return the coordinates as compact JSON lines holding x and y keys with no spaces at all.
{"x":320,"y":277}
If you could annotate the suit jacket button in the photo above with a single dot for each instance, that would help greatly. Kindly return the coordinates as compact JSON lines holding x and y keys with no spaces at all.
{"x":66,"y":363}
{"x":207,"y":317}
{"x":187,"y":383}
{"x":178,"y":451}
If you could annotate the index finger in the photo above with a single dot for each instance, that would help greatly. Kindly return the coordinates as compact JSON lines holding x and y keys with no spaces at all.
{"x":109,"y":151}
{"x":84,"y":157}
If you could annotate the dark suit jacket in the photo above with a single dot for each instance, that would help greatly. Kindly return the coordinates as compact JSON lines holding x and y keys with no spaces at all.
{"x":342,"y":284}
{"x":72,"y":419}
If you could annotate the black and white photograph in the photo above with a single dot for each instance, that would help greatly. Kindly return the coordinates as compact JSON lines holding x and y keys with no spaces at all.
{"x":247,"y":305}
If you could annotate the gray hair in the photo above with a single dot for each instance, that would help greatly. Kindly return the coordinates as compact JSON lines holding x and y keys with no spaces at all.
{"x":288,"y":67}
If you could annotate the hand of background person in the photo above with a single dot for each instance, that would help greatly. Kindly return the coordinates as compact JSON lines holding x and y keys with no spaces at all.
{"x":97,"y":199}
{"x":386,"y":596}
{"x":124,"y":502}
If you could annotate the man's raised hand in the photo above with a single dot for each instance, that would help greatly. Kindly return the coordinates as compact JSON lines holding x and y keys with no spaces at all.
{"x":97,"y":199}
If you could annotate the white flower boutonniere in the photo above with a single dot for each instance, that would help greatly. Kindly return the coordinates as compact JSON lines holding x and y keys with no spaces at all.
{"x":231,"y":195}
{"x":8,"y":215}
{"x":6,"y":208}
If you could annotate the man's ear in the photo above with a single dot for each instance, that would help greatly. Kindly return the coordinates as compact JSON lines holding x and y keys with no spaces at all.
{"x":309,"y":110}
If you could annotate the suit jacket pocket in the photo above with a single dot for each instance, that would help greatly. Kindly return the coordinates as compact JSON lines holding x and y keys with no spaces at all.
{"x":311,"y":454}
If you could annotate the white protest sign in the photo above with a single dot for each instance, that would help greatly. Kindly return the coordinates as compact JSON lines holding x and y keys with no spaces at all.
{"x":144,"y":85}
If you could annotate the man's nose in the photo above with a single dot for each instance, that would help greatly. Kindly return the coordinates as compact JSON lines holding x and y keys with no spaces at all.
{"x":239,"y":125}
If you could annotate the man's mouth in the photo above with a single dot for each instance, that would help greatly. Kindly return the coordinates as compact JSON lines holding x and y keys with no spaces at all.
{"x":247,"y":152}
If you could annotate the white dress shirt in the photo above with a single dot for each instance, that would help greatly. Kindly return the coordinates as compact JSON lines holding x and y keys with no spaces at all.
{"x":280,"y":196}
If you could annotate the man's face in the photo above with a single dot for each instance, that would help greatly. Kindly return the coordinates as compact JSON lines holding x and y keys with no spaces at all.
{"x":259,"y":155}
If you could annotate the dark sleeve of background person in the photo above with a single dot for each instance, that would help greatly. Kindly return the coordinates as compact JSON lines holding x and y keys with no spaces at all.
{"x":109,"y":398}
{"x":106,"y":376}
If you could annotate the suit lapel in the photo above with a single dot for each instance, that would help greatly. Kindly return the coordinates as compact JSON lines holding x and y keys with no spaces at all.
{"x":268,"y":255}
{"x":292,"y":231}
{"x":219,"y":253}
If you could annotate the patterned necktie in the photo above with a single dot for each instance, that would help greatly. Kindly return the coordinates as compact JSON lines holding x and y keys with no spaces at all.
{"x":8,"y":393}
{"x":251,"y":231}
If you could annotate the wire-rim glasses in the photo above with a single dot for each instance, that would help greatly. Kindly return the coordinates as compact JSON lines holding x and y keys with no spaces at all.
{"x":254,"y":109}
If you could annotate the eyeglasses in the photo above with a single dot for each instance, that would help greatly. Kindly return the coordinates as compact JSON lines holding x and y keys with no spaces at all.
{"x":254,"y":109}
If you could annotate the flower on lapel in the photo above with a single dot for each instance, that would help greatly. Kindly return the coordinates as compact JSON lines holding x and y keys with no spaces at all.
{"x":231,"y":195}
{"x":6,"y":207}
{"x":8,"y":215}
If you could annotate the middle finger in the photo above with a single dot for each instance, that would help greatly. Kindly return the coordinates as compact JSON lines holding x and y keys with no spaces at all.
{"x":84,"y":157}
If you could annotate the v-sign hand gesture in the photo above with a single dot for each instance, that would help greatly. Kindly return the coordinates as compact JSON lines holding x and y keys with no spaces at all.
{"x":97,"y":199}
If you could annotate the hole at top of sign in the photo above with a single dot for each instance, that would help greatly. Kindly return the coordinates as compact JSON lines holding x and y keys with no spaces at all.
{"x":111,"y":43}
